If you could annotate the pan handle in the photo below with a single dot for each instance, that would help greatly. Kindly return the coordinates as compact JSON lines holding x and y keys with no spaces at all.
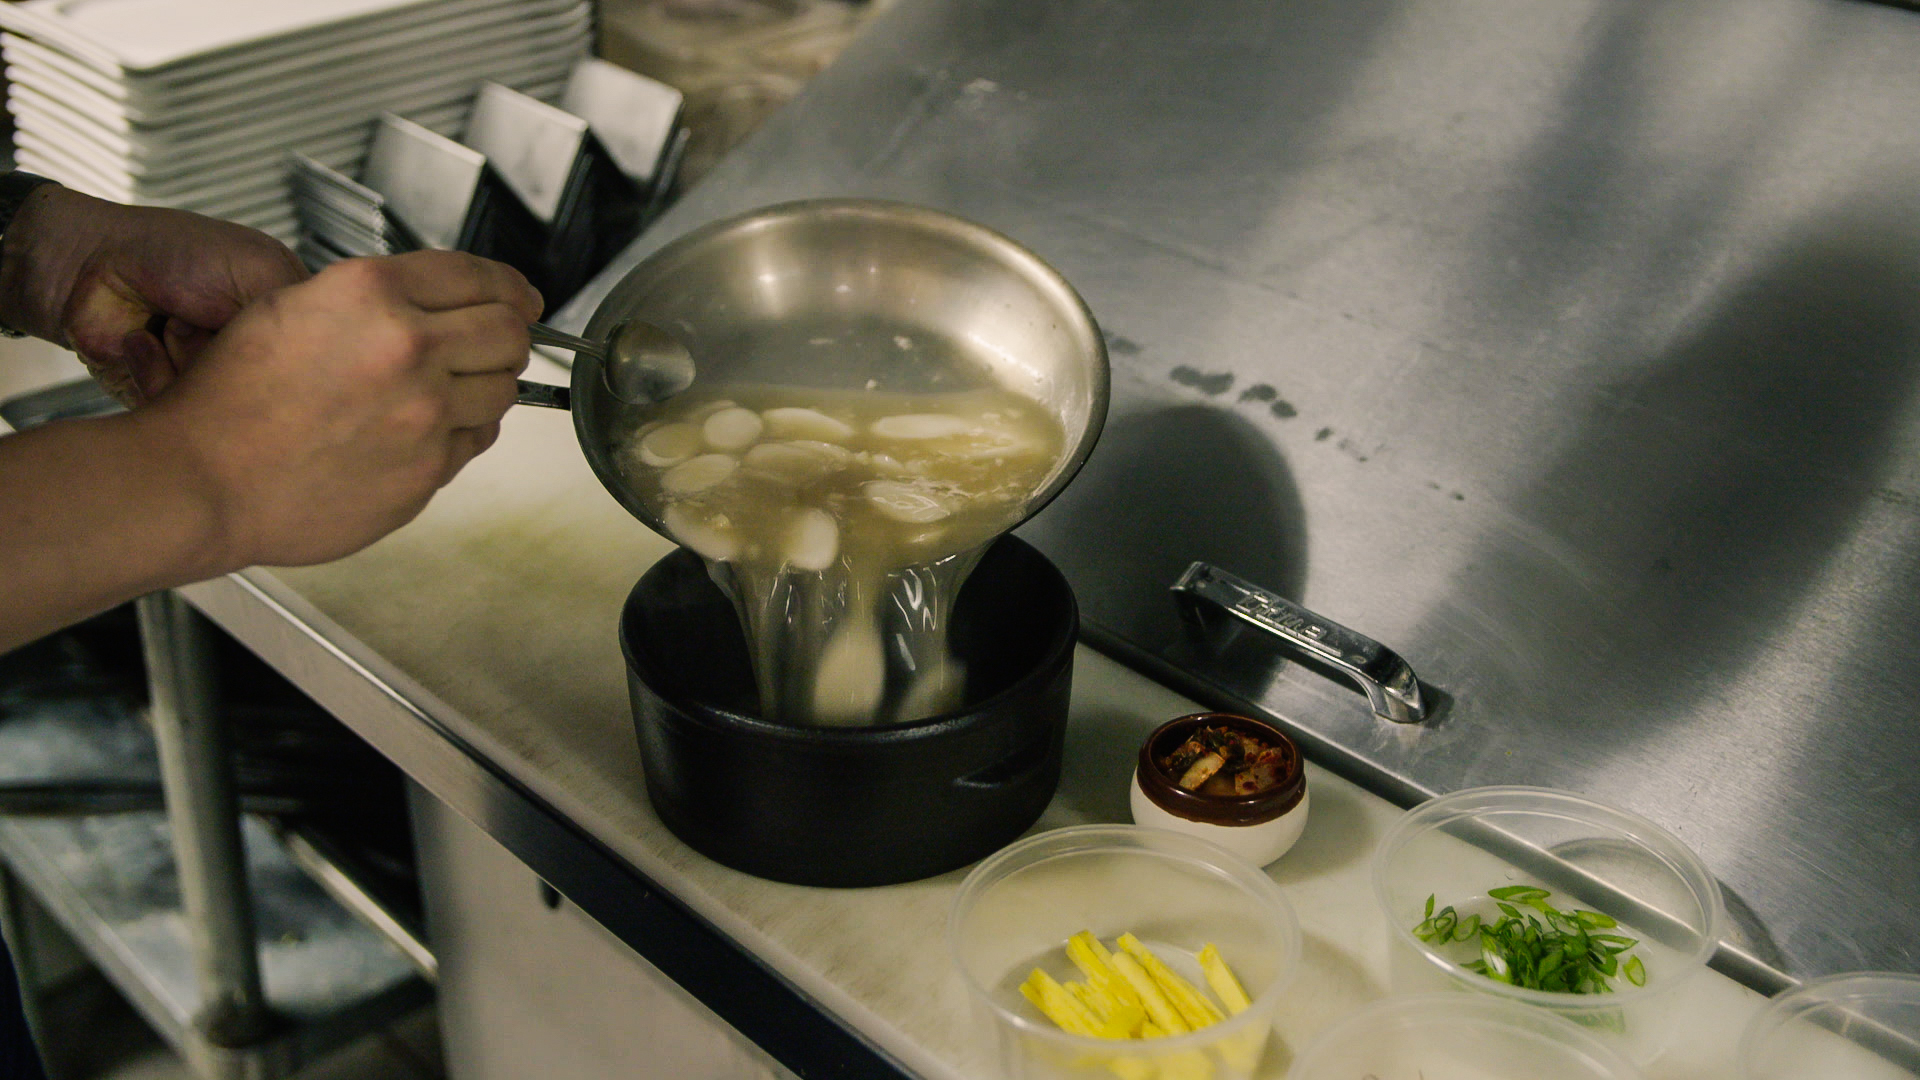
{"x":545,"y":395}
{"x":1391,"y":687}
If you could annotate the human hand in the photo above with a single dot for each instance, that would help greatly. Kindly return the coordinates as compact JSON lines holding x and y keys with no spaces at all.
{"x":327,"y":413}
{"x":135,"y":291}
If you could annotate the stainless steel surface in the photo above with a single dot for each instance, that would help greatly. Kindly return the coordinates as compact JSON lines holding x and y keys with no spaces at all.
{"x":850,"y":293}
{"x":349,"y":894}
{"x":1390,"y":685}
{"x":110,"y":882}
{"x":645,"y":365}
{"x":409,"y":726}
{"x":66,"y":401}
{"x":196,"y":770}
{"x":502,"y":929}
{"x":640,"y":364}
{"x":1569,"y":345}
{"x":113,"y":880}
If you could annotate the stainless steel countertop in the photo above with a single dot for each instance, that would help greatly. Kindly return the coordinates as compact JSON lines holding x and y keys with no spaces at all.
{"x":1569,"y":347}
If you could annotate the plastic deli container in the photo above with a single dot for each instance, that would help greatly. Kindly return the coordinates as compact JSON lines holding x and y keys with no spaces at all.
{"x":1458,"y":848}
{"x":1457,"y":1037}
{"x":1863,"y":1026}
{"x":1016,"y":910}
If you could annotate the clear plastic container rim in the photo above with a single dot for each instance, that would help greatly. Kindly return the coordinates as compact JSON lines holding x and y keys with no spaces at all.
{"x":1685,"y":865}
{"x":1076,"y":840}
{"x":1457,"y":1008}
{"x":1791,"y":1004}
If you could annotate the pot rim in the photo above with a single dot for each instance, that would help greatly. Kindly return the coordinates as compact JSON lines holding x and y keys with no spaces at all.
{"x":931,"y":727}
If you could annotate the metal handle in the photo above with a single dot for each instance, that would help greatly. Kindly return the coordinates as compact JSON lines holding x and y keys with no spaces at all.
{"x":542,"y":394}
{"x":542,"y":334}
{"x":1392,"y":689}
{"x":545,"y":395}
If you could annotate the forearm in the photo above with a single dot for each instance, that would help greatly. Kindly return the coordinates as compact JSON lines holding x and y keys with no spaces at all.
{"x":94,"y":513}
{"x":322,"y":416}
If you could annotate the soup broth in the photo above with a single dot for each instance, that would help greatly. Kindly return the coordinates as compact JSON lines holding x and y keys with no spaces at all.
{"x":844,"y":523}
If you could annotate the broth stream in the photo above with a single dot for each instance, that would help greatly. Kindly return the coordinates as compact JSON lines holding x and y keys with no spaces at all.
{"x":844,"y":523}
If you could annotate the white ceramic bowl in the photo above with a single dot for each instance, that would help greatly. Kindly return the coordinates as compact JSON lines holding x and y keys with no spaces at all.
{"x":1258,"y":844}
{"x":1259,"y":828}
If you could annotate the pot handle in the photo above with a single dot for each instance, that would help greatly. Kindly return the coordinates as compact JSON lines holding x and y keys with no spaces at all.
{"x":545,"y":395}
{"x":1018,"y":765}
{"x":1391,"y":687}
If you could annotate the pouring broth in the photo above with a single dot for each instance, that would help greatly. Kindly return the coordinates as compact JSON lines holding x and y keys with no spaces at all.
{"x":844,"y":522}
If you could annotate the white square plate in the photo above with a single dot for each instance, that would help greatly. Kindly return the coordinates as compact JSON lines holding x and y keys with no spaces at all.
{"x":207,"y":185}
{"x":632,"y":116}
{"x":509,"y":48}
{"x":145,"y":149}
{"x":274,"y":215}
{"x":146,"y":35}
{"x":532,"y":145}
{"x":184,"y":185}
{"x":449,"y":35}
{"x":80,"y":136}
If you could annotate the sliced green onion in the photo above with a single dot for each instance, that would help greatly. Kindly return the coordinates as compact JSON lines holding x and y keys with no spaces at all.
{"x":1542,"y":948}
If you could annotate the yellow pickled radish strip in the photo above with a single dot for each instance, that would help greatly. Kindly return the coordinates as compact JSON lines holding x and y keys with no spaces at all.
{"x":1063,"y":1000}
{"x":1091,"y":958}
{"x":1130,"y":993}
{"x":1095,"y":962}
{"x":1131,"y":1015}
{"x":1060,"y":1007}
{"x":1053,"y":999}
{"x":1159,"y":1009}
{"x":1112,"y":1020}
{"x":1193,"y":1007}
{"x":1122,"y":1020}
{"x":1132,"y":1068}
{"x":1084,"y":995}
{"x":1221,"y":980}
{"x":1088,"y":954}
{"x":1031,"y":991}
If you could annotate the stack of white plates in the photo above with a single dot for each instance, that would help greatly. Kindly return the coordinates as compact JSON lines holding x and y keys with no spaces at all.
{"x":197,"y":103}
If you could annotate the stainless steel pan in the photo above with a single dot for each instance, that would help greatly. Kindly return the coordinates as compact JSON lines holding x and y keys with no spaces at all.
{"x":823,"y":293}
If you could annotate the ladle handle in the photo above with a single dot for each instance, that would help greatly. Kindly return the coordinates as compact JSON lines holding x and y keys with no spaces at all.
{"x":545,"y":395}
{"x":542,"y":334}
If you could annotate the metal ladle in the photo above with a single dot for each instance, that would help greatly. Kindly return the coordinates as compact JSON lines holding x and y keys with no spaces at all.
{"x":640,"y":363}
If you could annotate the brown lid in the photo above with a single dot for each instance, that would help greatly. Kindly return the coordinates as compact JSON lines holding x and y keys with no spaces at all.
{"x":1168,"y":795}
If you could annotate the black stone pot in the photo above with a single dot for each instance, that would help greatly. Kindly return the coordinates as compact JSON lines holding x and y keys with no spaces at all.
{"x":848,"y":806}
